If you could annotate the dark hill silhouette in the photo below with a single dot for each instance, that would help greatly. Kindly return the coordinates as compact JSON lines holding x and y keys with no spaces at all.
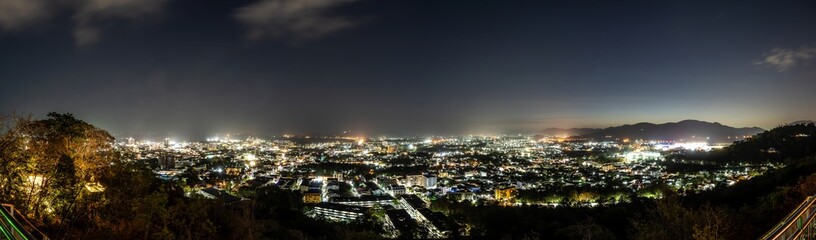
{"x":688,"y":130}
{"x":784,"y":142}
{"x":802,"y":122}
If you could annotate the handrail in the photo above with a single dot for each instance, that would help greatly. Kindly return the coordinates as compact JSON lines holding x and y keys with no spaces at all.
{"x":13,"y":210}
{"x":804,"y":227}
{"x":3,"y":230}
{"x":45,"y":237}
{"x":12,"y":226}
{"x":787,"y":222}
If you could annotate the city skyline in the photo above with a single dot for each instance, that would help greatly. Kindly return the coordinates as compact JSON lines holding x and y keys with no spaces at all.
{"x":406,"y":67}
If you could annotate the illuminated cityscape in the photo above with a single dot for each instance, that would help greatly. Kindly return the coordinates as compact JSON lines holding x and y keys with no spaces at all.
{"x":407,"y":119}
{"x":341,"y":178}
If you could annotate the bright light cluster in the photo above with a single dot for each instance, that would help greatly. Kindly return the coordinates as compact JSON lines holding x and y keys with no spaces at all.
{"x":696,"y":146}
{"x":639,"y":156}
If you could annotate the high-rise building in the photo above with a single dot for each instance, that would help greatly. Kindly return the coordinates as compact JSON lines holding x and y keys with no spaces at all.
{"x":167,"y":163}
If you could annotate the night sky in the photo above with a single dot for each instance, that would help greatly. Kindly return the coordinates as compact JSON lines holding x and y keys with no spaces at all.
{"x":193,"y":68}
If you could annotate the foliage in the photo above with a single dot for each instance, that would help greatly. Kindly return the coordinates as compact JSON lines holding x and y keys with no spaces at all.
{"x":778,"y":144}
{"x":47,"y":163}
{"x":669,"y":219}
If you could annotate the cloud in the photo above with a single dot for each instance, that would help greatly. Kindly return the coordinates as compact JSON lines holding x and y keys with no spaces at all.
{"x":84,"y":35}
{"x":783,"y":59}
{"x":299,"y":19}
{"x":16,"y":14}
{"x":90,"y":12}
{"x":87,"y":15}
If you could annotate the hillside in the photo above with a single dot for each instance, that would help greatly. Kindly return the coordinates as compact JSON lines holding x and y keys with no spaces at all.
{"x":687,"y":130}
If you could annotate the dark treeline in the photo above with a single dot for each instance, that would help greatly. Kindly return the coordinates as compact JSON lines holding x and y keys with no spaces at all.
{"x":780,"y":144}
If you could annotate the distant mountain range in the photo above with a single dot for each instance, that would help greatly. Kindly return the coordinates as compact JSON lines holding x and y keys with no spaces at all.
{"x":802,"y":122}
{"x":687,"y":130}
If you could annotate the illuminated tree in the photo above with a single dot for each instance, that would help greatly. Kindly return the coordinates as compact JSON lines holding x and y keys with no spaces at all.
{"x":46,"y":163}
{"x":14,"y":160}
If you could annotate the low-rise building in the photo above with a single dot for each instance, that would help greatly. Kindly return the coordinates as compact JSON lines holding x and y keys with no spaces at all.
{"x":364,"y":201}
{"x":339,"y":212}
{"x":213,"y":193}
{"x":375,"y":189}
{"x":506,"y":194}
{"x":396,"y":190}
{"x":312,"y":197}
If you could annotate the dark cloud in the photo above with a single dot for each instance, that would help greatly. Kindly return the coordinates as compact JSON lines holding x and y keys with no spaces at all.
{"x":87,"y":14}
{"x":295,"y":18}
{"x":16,"y":14}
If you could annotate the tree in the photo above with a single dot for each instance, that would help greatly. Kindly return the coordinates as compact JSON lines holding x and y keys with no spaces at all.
{"x":46,"y":163}
{"x":66,"y":189}
{"x":14,"y":160}
{"x":586,"y":230}
{"x":670,"y":219}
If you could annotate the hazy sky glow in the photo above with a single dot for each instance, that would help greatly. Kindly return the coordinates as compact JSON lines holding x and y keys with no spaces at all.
{"x":195,"y":68}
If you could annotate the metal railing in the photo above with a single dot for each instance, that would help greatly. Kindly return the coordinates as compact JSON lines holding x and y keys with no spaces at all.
{"x":11,"y":228}
{"x":799,"y":224}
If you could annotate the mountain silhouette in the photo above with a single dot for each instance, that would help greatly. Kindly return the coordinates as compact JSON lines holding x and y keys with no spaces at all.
{"x":686,"y":130}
